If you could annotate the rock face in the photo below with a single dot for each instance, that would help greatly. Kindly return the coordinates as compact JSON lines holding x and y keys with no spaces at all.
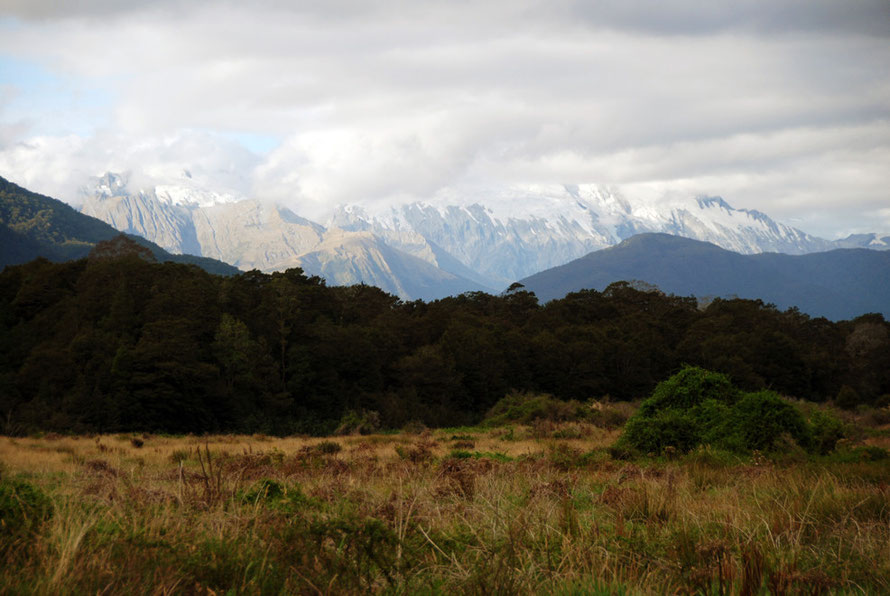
{"x":253,"y":235}
{"x":347,"y":258}
{"x":484,"y":237}
{"x":143,"y":214}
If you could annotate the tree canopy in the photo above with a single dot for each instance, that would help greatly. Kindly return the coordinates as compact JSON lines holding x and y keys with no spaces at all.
{"x":122,"y":343}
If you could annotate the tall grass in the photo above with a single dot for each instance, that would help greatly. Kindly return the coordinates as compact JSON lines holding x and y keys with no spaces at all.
{"x":400,"y":514}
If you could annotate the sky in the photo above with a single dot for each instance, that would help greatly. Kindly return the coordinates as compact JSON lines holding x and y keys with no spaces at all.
{"x":781,"y":106}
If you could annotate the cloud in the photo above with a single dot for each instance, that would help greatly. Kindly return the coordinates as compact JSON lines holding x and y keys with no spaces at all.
{"x":60,"y":166}
{"x":780,"y":106}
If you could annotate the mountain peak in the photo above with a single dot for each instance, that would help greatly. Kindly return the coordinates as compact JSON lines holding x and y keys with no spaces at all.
{"x":708,"y":202}
{"x":182,"y":190}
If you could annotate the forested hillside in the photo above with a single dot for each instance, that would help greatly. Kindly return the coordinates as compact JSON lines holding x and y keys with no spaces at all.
{"x":838,"y":284}
{"x":126,"y":344}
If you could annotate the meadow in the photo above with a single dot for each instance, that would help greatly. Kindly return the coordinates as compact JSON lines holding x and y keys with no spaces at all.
{"x":517,"y":509}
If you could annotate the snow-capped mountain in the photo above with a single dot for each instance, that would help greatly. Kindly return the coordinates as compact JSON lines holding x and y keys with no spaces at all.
{"x":870,"y":241}
{"x":162,"y":213}
{"x":481,"y":237}
{"x":181,"y":190}
{"x":507,"y":234}
{"x":251,"y":234}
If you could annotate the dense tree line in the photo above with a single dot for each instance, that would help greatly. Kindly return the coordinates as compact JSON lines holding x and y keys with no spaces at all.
{"x":126,"y":344}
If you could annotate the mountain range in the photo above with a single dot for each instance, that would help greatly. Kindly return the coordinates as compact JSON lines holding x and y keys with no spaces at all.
{"x":837,"y":284}
{"x":34,"y":225}
{"x":469,"y":239}
{"x":455,"y":244}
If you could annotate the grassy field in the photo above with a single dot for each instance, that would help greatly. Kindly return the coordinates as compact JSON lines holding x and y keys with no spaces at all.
{"x":541,"y":509}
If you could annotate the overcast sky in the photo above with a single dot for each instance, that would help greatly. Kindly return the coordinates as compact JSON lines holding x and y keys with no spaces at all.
{"x":781,"y":106}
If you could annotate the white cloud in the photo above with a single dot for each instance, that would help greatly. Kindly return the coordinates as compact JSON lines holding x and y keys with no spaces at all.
{"x":778,"y":106}
{"x":60,"y":166}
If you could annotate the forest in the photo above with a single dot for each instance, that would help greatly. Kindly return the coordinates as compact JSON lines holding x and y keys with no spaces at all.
{"x":116,"y":342}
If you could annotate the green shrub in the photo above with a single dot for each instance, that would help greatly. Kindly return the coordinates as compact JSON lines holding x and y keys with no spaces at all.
{"x":826,"y":431}
{"x":759,"y":420}
{"x":698,"y":407}
{"x":689,"y":388}
{"x":365,"y":422}
{"x":668,"y":428}
{"x":23,"y":507}
{"x":525,"y":408}
{"x":264,"y":490}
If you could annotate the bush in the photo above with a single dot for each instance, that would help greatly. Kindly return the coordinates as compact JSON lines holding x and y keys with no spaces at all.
{"x":525,"y":408}
{"x":759,"y":420}
{"x":826,"y":431}
{"x":669,"y":428}
{"x":698,"y":407}
{"x":365,"y":422}
{"x":688,"y":388}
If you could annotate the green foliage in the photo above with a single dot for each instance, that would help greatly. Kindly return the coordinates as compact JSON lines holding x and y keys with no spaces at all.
{"x":826,"y":431}
{"x":667,"y":428}
{"x":362,"y":423}
{"x":23,"y":507}
{"x":362,"y":550}
{"x":689,"y":388}
{"x":275,"y":495}
{"x":524,"y":408}
{"x":697,"y":407}
{"x":125,"y":345}
{"x":759,"y":420}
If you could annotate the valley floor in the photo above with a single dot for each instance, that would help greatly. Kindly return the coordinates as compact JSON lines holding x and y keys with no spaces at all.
{"x":541,"y":509}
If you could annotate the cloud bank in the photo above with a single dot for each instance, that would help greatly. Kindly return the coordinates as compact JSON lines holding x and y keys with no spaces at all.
{"x":780,"y":106}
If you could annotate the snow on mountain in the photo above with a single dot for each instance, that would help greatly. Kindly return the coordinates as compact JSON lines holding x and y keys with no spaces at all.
{"x":487,"y":236}
{"x":505,"y":234}
{"x":251,"y":234}
{"x":181,"y":190}
{"x":870,"y":241}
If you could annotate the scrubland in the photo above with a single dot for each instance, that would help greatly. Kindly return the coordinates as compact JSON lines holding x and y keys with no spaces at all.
{"x":542,"y":508}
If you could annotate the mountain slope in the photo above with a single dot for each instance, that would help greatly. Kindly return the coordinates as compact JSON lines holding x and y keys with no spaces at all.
{"x":254,"y":235}
{"x":838,"y":284}
{"x":33,"y":225}
{"x":346,"y":258}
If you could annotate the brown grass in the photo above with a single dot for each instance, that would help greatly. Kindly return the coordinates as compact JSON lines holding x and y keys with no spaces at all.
{"x":517,"y":512}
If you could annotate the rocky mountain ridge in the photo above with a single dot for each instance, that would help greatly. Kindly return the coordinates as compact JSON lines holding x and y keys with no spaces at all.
{"x":484,"y":238}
